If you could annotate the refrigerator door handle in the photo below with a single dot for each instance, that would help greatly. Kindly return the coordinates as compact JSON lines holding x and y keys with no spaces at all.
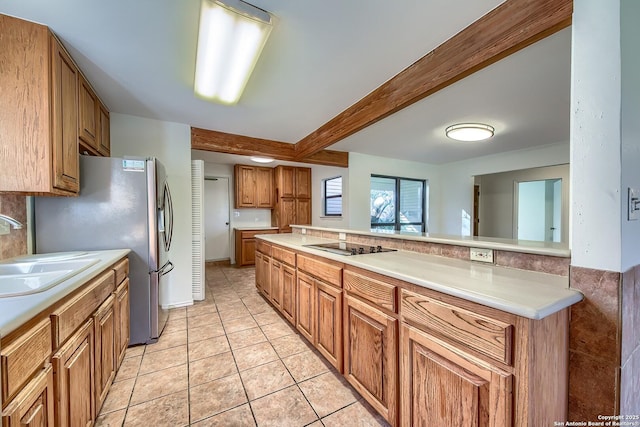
{"x":165,"y":269}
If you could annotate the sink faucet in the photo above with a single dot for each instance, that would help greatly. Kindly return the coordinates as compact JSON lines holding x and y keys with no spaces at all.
{"x":14,"y":223}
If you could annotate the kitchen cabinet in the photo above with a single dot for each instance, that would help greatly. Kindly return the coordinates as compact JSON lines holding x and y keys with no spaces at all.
{"x":276,"y":283}
{"x":33,"y":406}
{"x":288,"y":280}
{"x":245,"y":244}
{"x":265,"y":274}
{"x":292,"y":197}
{"x":88,"y":115}
{"x":73,"y":366}
{"x":104,"y":148}
{"x":122,"y":332}
{"x":283,"y":281}
{"x":105,"y":364}
{"x":305,"y":310}
{"x":328,"y":320}
{"x":253,"y":187}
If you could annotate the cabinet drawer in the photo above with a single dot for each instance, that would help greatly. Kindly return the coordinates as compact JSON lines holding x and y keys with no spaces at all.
{"x":24,"y":356}
{"x":375,"y":291}
{"x":122,"y":270}
{"x":284,"y":255}
{"x":250,"y":234}
{"x":330,"y":273}
{"x":488,"y":336}
{"x":263,"y":247}
{"x":74,"y":312}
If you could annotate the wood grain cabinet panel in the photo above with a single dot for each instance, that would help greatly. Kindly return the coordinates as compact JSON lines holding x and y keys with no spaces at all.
{"x":370,"y":355}
{"x":253,"y":187}
{"x":105,"y":364}
{"x":285,"y":181}
{"x":302,"y":183}
{"x":305,"y":318}
{"x":372,"y":290}
{"x":303,"y":212}
{"x":445,"y":387}
{"x":246,"y":245}
{"x":34,"y":405}
{"x":122,"y":327}
{"x":264,"y":188}
{"x":104,"y":146}
{"x":259,"y":273}
{"x":73,"y":368}
{"x":328,"y":271}
{"x":266,"y":276}
{"x":288,"y":280}
{"x":328,"y":320}
{"x":292,"y":197}
{"x":276,"y":284}
{"x":88,"y":114}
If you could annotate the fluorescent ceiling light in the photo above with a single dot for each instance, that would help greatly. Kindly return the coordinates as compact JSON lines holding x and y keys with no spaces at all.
{"x":261,"y":159}
{"x":470,"y":131}
{"x":230,"y":40}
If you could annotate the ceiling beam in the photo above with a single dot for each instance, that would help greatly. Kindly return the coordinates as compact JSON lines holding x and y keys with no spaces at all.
{"x":221,"y":142}
{"x":512,"y":26}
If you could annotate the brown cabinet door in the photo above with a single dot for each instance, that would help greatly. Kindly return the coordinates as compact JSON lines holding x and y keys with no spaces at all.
{"x":64,"y":78}
{"x":303,"y":212}
{"x":266,"y":276}
{"x":247,"y":252}
{"x":442,"y":385}
{"x":264,"y":188}
{"x":328,"y":306}
{"x":104,"y":146}
{"x":73,"y":367}
{"x":122,"y":321}
{"x":88,"y":114}
{"x":259,"y":273}
{"x":303,"y":183}
{"x":34,"y":405}
{"x":104,"y":320}
{"x":305,"y":306}
{"x":288,"y":281}
{"x":245,"y":186}
{"x":287,"y":210}
{"x":276,"y":284}
{"x":370,"y":359}
{"x":285,"y":181}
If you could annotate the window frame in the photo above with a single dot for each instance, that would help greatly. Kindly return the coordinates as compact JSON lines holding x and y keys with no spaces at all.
{"x":397,"y":225}
{"x":325,"y":197}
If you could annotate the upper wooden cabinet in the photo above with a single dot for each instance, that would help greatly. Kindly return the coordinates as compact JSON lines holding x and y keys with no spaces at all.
{"x":104,"y":147}
{"x":293,"y":197}
{"x":253,"y":187}
{"x":93,"y":121}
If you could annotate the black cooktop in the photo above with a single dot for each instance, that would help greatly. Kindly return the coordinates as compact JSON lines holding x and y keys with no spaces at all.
{"x":348,"y":249}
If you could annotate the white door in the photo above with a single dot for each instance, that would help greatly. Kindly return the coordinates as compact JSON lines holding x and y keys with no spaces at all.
{"x":539,"y":210}
{"x":216,"y":218}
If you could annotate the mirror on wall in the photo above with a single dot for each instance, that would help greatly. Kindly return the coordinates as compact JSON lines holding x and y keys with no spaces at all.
{"x":528,"y":204}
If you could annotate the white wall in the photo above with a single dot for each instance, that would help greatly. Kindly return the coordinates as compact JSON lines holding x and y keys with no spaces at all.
{"x":171,"y":144}
{"x":361,"y":166}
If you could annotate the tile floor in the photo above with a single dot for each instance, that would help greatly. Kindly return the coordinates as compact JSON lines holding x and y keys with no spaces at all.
{"x":231,"y":360}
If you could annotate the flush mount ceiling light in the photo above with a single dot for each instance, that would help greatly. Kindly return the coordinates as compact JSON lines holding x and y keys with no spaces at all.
{"x":261,"y":159}
{"x":470,"y":131}
{"x":230,"y":40}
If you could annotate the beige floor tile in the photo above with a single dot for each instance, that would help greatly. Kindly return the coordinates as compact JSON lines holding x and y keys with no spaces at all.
{"x":229,"y":303}
{"x":177,"y":313}
{"x":169,"y":339}
{"x":207,"y":319}
{"x":254,"y":355}
{"x":211,"y":368}
{"x":236,"y":417}
{"x":112,"y":419}
{"x":163,"y":359}
{"x":305,"y":365}
{"x":290,"y":344}
{"x":316,"y":424}
{"x":266,"y":379}
{"x":118,"y":396}
{"x":160,"y":383}
{"x":129,"y":368}
{"x":277,"y":330}
{"x":167,"y":411}
{"x":137,"y":350}
{"x":204,"y":332}
{"x":239,"y":324}
{"x":246,"y":338}
{"x":208,"y":347}
{"x":358,"y":414}
{"x":175,"y":325}
{"x":327,"y":393}
{"x":205,"y":398}
{"x":267,"y":317}
{"x":201,"y":308}
{"x":234,"y":314}
{"x":285,"y":408}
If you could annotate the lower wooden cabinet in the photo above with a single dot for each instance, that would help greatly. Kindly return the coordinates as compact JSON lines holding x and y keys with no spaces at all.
{"x":288,"y":283}
{"x":73,"y":368}
{"x":34,"y":405}
{"x":305,"y":311}
{"x":105,"y":364}
{"x":276,"y":283}
{"x":264,"y":272}
{"x":443,"y":386}
{"x":370,"y":355}
{"x":328,"y":320}
{"x":122,"y":331}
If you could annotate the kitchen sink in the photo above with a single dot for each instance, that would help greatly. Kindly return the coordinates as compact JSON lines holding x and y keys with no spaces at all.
{"x":24,"y":277}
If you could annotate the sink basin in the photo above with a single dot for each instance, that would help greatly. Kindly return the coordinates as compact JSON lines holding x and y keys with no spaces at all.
{"x":54,"y":256}
{"x":28,"y":277}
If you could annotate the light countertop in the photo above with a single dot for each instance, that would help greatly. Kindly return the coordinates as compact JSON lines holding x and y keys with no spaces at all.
{"x":255,"y":228}
{"x":524,"y":246}
{"x":16,"y":310}
{"x":525,"y":293}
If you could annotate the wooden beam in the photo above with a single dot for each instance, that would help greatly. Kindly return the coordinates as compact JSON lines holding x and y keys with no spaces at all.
{"x":221,"y":142}
{"x":512,"y":26}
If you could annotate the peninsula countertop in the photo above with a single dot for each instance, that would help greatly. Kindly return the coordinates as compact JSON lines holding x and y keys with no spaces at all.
{"x":525,"y":293}
{"x":16,"y":310}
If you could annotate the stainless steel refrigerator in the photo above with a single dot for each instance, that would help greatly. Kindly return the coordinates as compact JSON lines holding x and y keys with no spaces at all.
{"x":123,"y":203}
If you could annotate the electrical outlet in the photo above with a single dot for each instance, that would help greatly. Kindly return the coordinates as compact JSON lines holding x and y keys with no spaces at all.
{"x":303,"y":230}
{"x":342,"y":236}
{"x":482,"y":255}
{"x":4,"y":228}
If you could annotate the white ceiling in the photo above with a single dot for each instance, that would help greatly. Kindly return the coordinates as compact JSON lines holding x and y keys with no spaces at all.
{"x":321,"y":58}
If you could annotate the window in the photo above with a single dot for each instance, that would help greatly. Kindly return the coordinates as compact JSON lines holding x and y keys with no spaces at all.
{"x":333,"y":196}
{"x":397,"y":204}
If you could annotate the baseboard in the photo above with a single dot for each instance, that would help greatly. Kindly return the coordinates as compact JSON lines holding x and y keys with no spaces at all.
{"x":178,"y":305}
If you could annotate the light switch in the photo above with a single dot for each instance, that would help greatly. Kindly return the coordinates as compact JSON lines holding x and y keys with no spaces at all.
{"x":634,"y":204}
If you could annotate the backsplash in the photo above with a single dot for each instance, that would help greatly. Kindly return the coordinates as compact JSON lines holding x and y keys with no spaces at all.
{"x":14,"y":243}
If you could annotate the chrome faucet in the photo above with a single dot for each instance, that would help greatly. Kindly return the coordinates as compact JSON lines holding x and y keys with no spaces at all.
{"x":17,"y":225}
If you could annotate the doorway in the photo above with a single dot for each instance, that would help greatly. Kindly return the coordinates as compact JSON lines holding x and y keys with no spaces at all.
{"x":216,"y":218}
{"x":538,"y":208}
